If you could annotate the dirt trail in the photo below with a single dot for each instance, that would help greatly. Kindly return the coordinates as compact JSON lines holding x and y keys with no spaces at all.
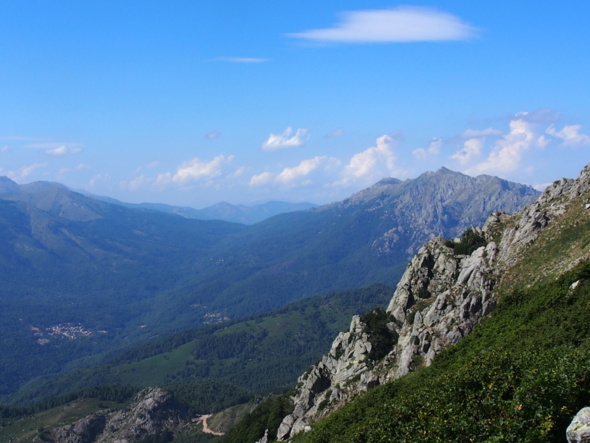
{"x":206,"y":429}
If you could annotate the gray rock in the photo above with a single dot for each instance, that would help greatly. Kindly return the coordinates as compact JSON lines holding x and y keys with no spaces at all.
{"x":153,"y":411}
{"x":85,"y":430}
{"x":579,"y":429}
{"x":264,"y":439}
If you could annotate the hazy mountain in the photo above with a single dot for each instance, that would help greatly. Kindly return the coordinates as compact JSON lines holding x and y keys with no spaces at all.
{"x":245,"y":214}
{"x":82,"y":276}
{"x":521,"y":375}
{"x":366,"y":238}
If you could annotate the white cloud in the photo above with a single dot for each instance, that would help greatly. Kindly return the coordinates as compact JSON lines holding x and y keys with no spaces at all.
{"x":4,"y":149}
{"x":242,"y":59}
{"x":298,"y":175}
{"x":62,"y":150}
{"x":196,"y":170}
{"x":433,"y":149}
{"x":476,"y":133}
{"x":57,"y":149}
{"x":472,"y":149}
{"x":289,"y":175}
{"x":285,"y":140}
{"x":371,"y":165}
{"x":401,"y":24}
{"x":262,"y":179}
{"x":570,"y":135}
{"x":26,"y":171}
{"x":507,"y":153}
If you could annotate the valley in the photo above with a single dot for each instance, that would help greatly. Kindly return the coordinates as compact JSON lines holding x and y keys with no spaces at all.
{"x":238,"y":285}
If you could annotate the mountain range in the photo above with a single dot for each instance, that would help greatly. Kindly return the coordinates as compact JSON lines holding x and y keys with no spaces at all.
{"x":484,"y":339}
{"x":83,"y":278}
{"x":245,"y":214}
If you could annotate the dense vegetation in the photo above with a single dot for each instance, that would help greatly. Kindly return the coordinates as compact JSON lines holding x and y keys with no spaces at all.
{"x":250,"y":356}
{"x":266,"y":416}
{"x":520,"y":376}
{"x":381,"y":337}
{"x":469,"y":242}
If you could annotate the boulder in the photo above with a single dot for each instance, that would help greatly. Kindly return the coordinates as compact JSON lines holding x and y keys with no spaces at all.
{"x":579,"y":429}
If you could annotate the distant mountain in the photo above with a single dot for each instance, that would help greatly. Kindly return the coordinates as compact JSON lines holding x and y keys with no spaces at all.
{"x":364,"y":239}
{"x":82,"y":277}
{"x":244,"y":214}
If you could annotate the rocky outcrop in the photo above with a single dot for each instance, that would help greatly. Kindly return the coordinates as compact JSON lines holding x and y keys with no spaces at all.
{"x":152,"y":412}
{"x":579,"y":429}
{"x":525,"y":228}
{"x":441,"y":297}
{"x":439,"y":300}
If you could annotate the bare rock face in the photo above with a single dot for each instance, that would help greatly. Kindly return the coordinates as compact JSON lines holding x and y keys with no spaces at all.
{"x":439,"y":300}
{"x":538,"y":215}
{"x":85,"y":430}
{"x":579,"y":429}
{"x":441,"y":297}
{"x":152,"y":412}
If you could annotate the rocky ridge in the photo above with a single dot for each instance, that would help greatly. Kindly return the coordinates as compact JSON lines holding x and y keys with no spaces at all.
{"x":440,"y":298}
{"x":152,"y":412}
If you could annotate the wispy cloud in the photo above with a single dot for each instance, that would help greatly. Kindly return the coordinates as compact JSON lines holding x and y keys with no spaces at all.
{"x":290,"y":176}
{"x":299,"y":175}
{"x":285,"y":140}
{"x":196,"y":170}
{"x":570,"y":135}
{"x":211,"y":135}
{"x":432,"y":150}
{"x":62,"y":150}
{"x":241,"y":59}
{"x":136,"y":183}
{"x":57,"y":149}
{"x":336,"y":133}
{"x":26,"y":171}
{"x":477,"y":133}
{"x":78,"y":167}
{"x":401,"y":24}
{"x":262,"y":179}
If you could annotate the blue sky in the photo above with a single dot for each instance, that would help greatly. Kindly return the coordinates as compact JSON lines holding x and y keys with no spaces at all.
{"x":196,"y":102}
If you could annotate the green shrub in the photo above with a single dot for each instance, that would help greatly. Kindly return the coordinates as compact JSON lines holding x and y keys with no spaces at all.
{"x":470,"y":241}
{"x":382,"y":338}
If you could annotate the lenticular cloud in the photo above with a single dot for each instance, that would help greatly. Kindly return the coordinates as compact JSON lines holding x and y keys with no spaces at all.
{"x":403,"y":24}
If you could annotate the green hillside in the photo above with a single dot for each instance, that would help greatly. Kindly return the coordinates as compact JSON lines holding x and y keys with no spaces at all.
{"x":521,"y":376}
{"x":258,"y":354}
